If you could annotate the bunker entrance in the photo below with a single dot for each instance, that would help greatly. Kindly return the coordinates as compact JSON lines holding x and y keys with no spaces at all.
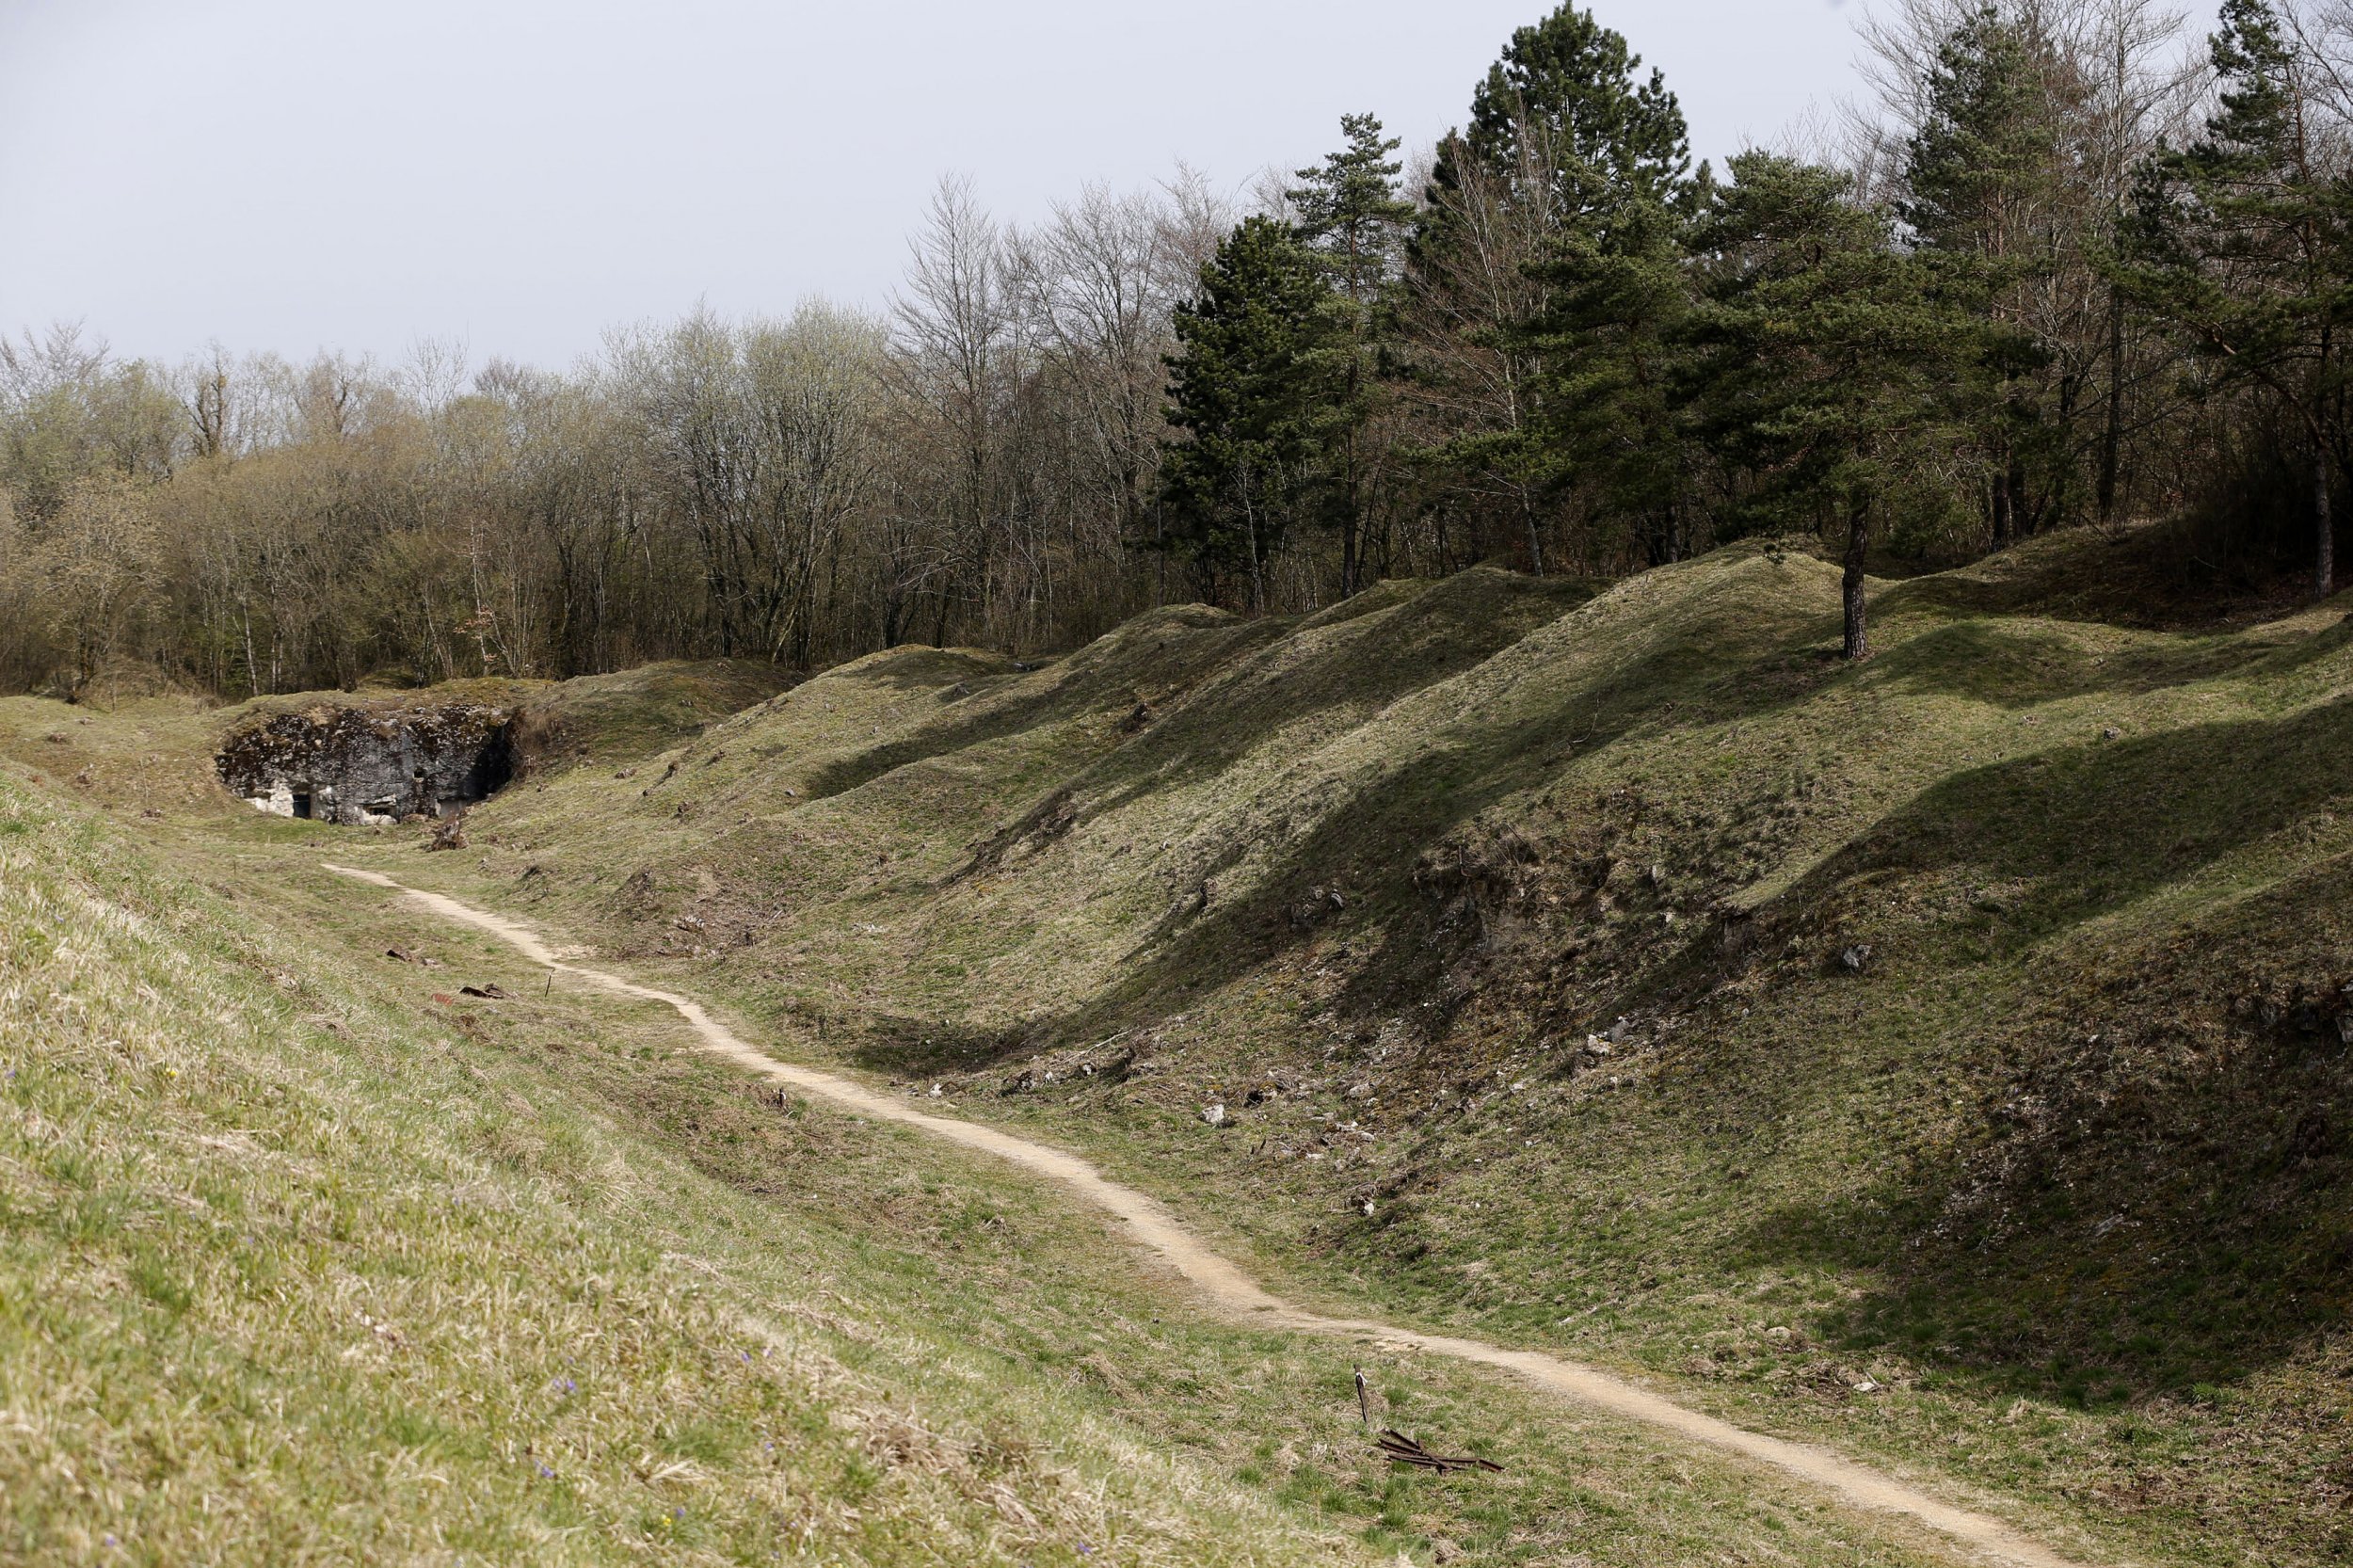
{"x":370,"y":764}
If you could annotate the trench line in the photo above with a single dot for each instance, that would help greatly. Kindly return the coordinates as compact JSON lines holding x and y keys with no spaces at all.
{"x":1154,"y":1225}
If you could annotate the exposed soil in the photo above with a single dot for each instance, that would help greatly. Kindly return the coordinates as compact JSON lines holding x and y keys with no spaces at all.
{"x":1234,"y":1293}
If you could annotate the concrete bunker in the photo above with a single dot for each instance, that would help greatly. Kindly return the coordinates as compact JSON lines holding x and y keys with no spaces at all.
{"x":358,"y":765}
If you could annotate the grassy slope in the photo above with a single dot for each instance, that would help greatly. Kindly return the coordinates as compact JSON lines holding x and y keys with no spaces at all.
{"x":2046,"y":1198}
{"x":292,"y":1271}
{"x":302,"y":1261}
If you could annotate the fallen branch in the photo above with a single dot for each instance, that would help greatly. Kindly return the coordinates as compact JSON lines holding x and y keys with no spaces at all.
{"x":1404,"y":1450}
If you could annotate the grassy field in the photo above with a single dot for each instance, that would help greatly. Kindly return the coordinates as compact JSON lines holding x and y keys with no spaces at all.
{"x":1944,"y":1059}
{"x":312,"y":1256}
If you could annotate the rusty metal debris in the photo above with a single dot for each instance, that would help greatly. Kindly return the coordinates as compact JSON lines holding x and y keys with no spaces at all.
{"x":1404,"y":1450}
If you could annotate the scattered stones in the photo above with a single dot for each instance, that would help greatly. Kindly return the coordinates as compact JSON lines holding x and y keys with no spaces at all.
{"x":1854,"y":960}
{"x":1214,"y":1114}
{"x":1320,"y":903}
{"x":449,"y":832}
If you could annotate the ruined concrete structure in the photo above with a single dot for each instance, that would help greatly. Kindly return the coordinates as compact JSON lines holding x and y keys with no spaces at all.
{"x":359,"y":764}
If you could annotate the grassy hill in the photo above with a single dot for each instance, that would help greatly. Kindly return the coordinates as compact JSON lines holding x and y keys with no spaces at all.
{"x":297,"y":1269}
{"x":312,"y":1253}
{"x":1945,"y":1058}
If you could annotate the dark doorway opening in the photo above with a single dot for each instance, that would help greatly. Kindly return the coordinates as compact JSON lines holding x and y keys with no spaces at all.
{"x":302,"y":803}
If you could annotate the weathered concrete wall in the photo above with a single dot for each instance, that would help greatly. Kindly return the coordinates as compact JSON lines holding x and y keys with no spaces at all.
{"x":361,"y":764}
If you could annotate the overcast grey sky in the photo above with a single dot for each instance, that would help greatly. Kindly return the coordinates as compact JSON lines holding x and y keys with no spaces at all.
{"x":288,"y":174}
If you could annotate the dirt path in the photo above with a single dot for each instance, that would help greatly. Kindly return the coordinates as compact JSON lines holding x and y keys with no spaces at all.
{"x":1238,"y":1295}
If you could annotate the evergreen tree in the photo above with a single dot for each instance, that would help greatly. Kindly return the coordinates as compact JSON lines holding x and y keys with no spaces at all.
{"x":1258,"y":371}
{"x":1346,"y":210}
{"x":1825,"y":357}
{"x":1981,"y":173}
{"x":1570,"y":162}
{"x":1616,"y":294}
{"x":1348,"y":215}
{"x":2242,"y":244}
{"x":1985,"y":178}
{"x":1563,"y":102}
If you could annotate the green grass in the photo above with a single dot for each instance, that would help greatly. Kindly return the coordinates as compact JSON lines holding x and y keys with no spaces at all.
{"x":2060,"y":1173}
{"x":292,"y":1269}
{"x":303,"y":1261}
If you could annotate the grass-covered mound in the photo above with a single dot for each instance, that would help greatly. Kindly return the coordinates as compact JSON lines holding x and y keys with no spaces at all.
{"x":1944,"y":1056}
{"x":297,"y":1269}
{"x":155,"y":753}
{"x":311,"y":1253}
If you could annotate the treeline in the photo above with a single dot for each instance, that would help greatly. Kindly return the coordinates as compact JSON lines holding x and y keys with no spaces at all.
{"x":980,"y":465}
{"x":2062,"y":270}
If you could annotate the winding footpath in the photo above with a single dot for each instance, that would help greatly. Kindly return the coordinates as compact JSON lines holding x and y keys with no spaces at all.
{"x":1238,"y":1296}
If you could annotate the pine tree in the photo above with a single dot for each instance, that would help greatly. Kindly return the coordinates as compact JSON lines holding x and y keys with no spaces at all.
{"x":1985,"y":180}
{"x":1349,"y":216}
{"x":1567,"y":154}
{"x":2242,"y":244}
{"x":1257,"y":377}
{"x":1616,"y":294}
{"x":1825,"y":357}
{"x":1563,"y":102}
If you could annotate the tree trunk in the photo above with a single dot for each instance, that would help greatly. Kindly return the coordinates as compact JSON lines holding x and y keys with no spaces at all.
{"x":1858,"y":645}
{"x":2112,"y":438}
{"x":2324,"y":531}
{"x":2001,"y":509}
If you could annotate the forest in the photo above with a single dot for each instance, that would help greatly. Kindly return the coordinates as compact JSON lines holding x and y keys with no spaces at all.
{"x":2064,"y":266}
